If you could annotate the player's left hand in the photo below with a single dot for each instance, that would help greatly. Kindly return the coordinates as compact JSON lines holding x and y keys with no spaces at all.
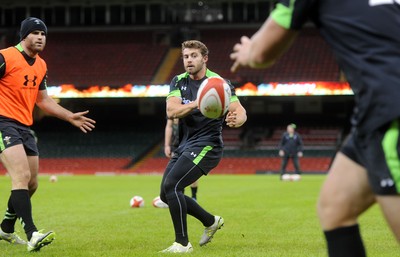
{"x":231,"y":120}
{"x":240,"y":54}
{"x":84,"y":123}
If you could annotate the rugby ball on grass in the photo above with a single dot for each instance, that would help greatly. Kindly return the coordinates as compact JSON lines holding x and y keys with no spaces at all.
{"x":214,"y":97}
{"x":53,"y":178}
{"x":158,"y":203}
{"x":289,"y":177}
{"x":136,"y":202}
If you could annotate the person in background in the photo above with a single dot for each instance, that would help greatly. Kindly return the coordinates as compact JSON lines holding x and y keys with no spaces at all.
{"x":200,"y":149}
{"x":23,"y":82}
{"x":290,"y":147}
{"x":364,"y":36}
{"x":171,"y":143}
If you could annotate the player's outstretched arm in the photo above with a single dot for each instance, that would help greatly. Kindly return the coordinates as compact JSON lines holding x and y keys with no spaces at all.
{"x":79,"y":120}
{"x":175,"y":109}
{"x":236,"y":116}
{"x":264,"y":48}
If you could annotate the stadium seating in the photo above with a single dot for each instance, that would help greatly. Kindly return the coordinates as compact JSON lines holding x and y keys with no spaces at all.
{"x":310,"y":59}
{"x":243,"y":165}
{"x":320,"y":147}
{"x":313,"y":138}
{"x":232,"y":138}
{"x":81,"y":166}
{"x":117,"y":58}
{"x":96,"y":144}
{"x":102,"y":58}
{"x":97,"y":152}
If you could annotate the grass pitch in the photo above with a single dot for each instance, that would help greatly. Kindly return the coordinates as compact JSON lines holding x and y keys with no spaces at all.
{"x":263,"y":217}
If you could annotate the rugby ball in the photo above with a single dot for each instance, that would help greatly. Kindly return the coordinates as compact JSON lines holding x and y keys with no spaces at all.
{"x":158,"y":203}
{"x":53,"y":178}
{"x":289,"y":177}
{"x":136,"y":202}
{"x":296,"y":177}
{"x":286,"y":177}
{"x":213,"y":97}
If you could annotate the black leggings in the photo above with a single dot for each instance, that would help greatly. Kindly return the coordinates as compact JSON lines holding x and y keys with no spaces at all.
{"x":180,"y":173}
{"x":285,"y":160}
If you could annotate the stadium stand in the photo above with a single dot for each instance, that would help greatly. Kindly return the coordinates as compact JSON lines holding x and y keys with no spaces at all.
{"x":98,"y":151}
{"x":91,"y":58}
{"x":310,"y":59}
{"x":101,"y":144}
{"x":320,"y":146}
{"x":314,"y":138}
{"x":243,"y":165}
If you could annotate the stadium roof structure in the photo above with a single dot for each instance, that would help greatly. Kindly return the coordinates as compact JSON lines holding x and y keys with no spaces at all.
{"x":12,"y":3}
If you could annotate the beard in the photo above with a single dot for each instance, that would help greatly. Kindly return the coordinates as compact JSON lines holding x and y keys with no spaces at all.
{"x":193,"y":70}
{"x":37,"y":48}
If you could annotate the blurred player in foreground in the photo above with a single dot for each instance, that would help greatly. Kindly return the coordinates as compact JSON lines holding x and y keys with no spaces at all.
{"x":365,"y":38}
{"x":171,"y":143}
{"x":200,"y":148}
{"x":23,"y":77}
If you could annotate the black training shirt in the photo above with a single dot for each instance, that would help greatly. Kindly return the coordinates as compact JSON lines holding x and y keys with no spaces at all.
{"x":365,"y":38}
{"x":196,"y":130}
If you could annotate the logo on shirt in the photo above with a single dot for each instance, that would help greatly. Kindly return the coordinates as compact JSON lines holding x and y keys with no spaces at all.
{"x":388,"y":182}
{"x":183,"y":87}
{"x":28,"y":81}
{"x":186,"y":101}
{"x":7,"y":140}
{"x":193,"y":154}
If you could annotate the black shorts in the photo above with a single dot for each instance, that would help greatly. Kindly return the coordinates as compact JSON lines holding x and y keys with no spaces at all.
{"x":13,"y":133}
{"x":379,"y":153}
{"x":206,"y":158}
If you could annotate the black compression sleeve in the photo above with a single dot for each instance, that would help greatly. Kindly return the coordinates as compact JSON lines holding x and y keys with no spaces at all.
{"x":2,"y":66}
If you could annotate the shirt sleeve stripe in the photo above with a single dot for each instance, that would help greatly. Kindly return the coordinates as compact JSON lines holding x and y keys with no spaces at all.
{"x":283,"y":14}
{"x":176,"y":93}
{"x":234,"y":98}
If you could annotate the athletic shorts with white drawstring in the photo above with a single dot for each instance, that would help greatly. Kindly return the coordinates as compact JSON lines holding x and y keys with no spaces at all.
{"x":378,"y":152}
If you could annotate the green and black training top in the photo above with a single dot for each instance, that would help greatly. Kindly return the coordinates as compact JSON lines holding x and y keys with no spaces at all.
{"x":195,"y":130}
